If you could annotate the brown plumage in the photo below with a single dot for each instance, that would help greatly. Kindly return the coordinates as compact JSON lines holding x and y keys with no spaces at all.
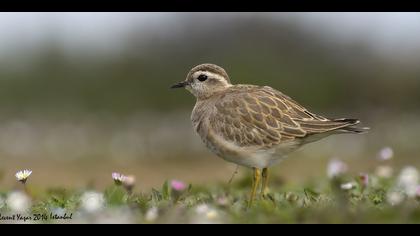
{"x":266,"y":117}
{"x":250,"y":125}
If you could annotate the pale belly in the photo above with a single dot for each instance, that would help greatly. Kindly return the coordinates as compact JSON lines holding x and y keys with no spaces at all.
{"x":252,"y":157}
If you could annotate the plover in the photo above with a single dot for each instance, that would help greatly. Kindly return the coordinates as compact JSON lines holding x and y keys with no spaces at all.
{"x":253,"y":126}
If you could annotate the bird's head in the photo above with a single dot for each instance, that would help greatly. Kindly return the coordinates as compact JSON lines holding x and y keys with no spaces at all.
{"x":205,"y":80}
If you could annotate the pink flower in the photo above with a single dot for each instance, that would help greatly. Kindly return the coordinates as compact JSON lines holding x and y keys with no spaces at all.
{"x":418,"y":192}
{"x":178,"y":185}
{"x":222,"y":201}
{"x":118,"y":178}
{"x":364,"y":179}
{"x":336,"y":168}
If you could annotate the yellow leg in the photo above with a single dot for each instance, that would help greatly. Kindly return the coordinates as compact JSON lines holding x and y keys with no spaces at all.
{"x":255,"y":183}
{"x":264,"y":182}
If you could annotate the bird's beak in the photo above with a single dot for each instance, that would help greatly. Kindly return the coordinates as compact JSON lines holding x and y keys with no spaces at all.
{"x":180,"y":84}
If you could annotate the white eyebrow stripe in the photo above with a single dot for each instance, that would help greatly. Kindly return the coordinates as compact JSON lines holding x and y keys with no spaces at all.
{"x":209,"y":74}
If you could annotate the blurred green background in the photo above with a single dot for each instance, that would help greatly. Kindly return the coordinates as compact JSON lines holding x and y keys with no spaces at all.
{"x":85,"y":94}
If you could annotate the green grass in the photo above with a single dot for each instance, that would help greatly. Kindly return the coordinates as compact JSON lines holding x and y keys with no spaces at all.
{"x":318,"y":201}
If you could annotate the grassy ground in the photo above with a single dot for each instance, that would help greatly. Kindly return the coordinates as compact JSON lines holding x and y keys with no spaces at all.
{"x":72,"y":166}
{"x":315,"y":200}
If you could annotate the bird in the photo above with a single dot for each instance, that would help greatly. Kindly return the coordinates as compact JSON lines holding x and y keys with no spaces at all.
{"x":251,"y":125}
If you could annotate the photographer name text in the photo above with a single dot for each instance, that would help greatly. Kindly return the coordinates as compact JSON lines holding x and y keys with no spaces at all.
{"x":35,"y":217}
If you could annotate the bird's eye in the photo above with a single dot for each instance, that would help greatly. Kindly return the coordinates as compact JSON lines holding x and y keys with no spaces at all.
{"x":202,"y":77}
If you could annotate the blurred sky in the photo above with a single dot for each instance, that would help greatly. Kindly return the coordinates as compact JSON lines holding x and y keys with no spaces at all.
{"x":390,"y":33}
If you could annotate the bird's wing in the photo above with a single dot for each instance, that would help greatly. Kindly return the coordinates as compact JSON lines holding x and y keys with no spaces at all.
{"x":263,"y":116}
{"x":311,"y":123}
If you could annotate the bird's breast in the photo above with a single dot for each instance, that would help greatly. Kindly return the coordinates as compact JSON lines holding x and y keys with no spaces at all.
{"x":213,"y":141}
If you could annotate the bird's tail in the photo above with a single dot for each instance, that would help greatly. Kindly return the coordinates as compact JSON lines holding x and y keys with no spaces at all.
{"x":332,"y":126}
{"x":350,"y":127}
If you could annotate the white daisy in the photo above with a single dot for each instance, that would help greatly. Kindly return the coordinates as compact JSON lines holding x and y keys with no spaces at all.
{"x":206,"y":215}
{"x":92,"y":201}
{"x":384,"y":171}
{"x":23,"y":175}
{"x":18,"y":202}
{"x":408,"y":180}
{"x":394,"y":198}
{"x":202,"y":209}
{"x":152,"y":214}
{"x":348,"y":186}
{"x":129,"y":182}
{"x":385,"y":154}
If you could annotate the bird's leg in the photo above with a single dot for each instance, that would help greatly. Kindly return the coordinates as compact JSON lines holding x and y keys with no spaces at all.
{"x":255,"y":183}
{"x":264,"y":182}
